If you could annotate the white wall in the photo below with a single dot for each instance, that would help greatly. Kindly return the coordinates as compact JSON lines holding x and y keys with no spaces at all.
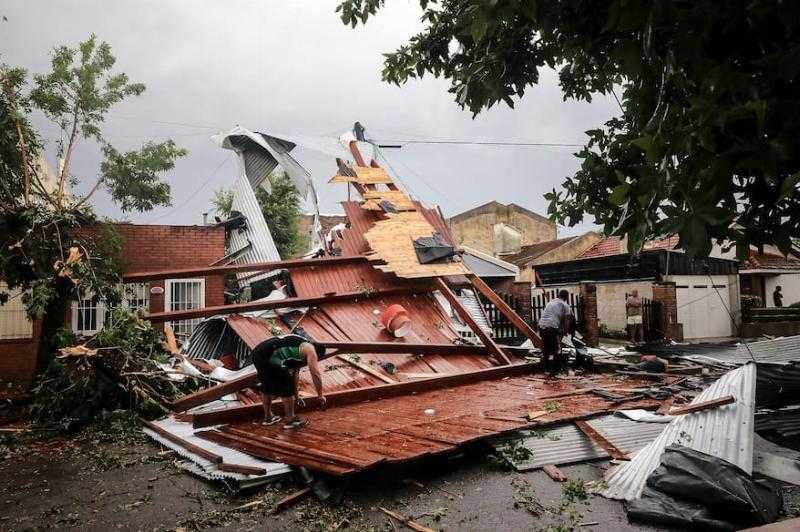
{"x":790,"y":286}
{"x":611,"y":302}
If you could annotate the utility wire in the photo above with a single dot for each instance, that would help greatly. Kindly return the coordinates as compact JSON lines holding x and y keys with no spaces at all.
{"x":733,"y":320}
{"x":482,"y":143}
{"x":193,"y":194}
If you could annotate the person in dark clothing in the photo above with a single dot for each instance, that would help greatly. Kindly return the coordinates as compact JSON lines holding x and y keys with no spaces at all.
{"x":278,"y":361}
{"x":554,"y":322}
{"x":777,"y":296}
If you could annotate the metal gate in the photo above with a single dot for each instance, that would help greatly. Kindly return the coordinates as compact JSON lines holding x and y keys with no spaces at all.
{"x":503,"y":330}
{"x":575,"y":302}
{"x":651,"y":319}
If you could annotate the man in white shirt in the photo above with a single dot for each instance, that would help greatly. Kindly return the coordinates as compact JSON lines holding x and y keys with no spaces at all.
{"x":555,"y":321}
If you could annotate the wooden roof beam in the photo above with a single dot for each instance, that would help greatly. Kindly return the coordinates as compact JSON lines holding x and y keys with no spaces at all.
{"x":467,"y":318}
{"x":503,"y":307}
{"x":184,"y":273}
{"x":289,"y":302}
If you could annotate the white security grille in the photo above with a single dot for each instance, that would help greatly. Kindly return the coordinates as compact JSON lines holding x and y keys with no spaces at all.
{"x":91,"y":313}
{"x":14,"y":322}
{"x":88,"y":315}
{"x":185,"y":294}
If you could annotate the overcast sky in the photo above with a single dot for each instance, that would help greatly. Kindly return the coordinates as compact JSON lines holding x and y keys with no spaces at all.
{"x":293,"y":67}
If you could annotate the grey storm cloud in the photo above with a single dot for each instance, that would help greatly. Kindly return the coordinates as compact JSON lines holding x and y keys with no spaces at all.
{"x":293,"y":67}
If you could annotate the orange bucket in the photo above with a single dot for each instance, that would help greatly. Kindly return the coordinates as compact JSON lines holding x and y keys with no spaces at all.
{"x":395,"y":320}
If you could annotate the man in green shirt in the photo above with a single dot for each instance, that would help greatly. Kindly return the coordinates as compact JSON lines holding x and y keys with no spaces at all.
{"x":278,"y":361}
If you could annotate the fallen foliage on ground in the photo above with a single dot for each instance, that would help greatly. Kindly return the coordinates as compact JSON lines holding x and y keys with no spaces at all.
{"x":117,"y":369}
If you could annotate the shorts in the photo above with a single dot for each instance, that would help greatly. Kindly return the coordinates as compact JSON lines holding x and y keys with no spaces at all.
{"x":634,"y":320}
{"x":276,"y":380}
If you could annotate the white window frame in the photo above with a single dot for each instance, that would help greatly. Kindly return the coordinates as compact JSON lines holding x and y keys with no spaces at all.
{"x":183,"y":328}
{"x":14,"y":321}
{"x":103,"y":311}
{"x":99,"y":310}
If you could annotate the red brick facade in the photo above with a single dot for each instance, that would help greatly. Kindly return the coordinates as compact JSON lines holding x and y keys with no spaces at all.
{"x":145,"y":248}
{"x":19,"y":358}
{"x":589,"y":294}
{"x":161,"y":247}
{"x":664,"y":292}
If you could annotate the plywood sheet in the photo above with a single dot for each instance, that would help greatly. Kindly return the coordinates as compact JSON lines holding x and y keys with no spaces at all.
{"x":392,"y":241}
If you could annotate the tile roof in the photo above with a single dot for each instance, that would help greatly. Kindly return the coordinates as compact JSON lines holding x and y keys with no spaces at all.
{"x":532,"y":251}
{"x":769,"y":261}
{"x":613,"y":246}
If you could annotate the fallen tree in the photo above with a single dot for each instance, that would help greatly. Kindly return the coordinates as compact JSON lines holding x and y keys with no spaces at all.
{"x":124,"y":366}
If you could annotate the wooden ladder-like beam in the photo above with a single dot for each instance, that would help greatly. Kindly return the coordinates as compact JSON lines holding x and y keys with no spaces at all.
{"x":467,"y":318}
{"x":503,"y":307}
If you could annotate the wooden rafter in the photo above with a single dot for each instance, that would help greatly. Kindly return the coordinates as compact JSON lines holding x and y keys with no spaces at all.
{"x":507,"y":311}
{"x":467,"y":318}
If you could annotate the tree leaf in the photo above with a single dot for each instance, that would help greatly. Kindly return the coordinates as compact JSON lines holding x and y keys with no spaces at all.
{"x":789,"y":185}
{"x":620,"y":194}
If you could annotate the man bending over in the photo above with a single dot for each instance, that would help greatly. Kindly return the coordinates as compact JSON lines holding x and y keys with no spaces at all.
{"x":278,"y":361}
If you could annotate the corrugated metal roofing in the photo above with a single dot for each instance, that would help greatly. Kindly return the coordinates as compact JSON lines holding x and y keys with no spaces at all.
{"x":349,"y":438}
{"x":567,"y":444}
{"x":256,"y":232}
{"x":230,"y":456}
{"x":778,"y":350}
{"x":485,"y":268}
{"x":725,"y":432}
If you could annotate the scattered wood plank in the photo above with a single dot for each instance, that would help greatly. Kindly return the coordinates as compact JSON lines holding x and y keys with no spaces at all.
{"x":170,"y":341}
{"x":291,"y":499}
{"x":663,"y":410}
{"x":241,"y":469}
{"x":600,"y":440}
{"x":705,"y":405}
{"x":421,"y":375}
{"x":366,"y":369}
{"x":554,"y":473}
{"x":536,"y":414}
{"x":192,"y":448}
{"x":215,"y":392}
{"x":413,"y":525}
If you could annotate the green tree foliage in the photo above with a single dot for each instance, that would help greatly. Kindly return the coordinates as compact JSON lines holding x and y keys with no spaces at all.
{"x":281,"y":208}
{"x":223,"y":202}
{"x":39,"y":223}
{"x":707,"y":142}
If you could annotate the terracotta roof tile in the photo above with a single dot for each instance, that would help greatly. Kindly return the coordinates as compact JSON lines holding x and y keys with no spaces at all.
{"x":769,"y":261}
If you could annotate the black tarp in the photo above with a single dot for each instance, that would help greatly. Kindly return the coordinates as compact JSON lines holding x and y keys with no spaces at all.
{"x":694,"y":490}
{"x":433,"y":248}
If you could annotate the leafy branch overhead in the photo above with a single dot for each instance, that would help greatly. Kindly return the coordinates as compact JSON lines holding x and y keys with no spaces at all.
{"x":45,"y":253}
{"x":706,"y":142}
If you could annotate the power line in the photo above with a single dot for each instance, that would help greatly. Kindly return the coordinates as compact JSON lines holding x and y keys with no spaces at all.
{"x":167,"y":123}
{"x":481,"y":143}
{"x":193,"y":194}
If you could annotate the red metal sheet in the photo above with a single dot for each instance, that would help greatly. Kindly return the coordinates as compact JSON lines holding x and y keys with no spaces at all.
{"x":354,"y":437}
{"x":252,"y":331}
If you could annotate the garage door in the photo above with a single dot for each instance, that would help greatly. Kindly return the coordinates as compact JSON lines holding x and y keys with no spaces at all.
{"x":702,"y":306}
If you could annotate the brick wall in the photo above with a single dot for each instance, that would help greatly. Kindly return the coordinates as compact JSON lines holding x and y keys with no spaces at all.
{"x":664,"y":292}
{"x":161,"y":247}
{"x":19,"y":358}
{"x":522,"y":291}
{"x":589,"y":294}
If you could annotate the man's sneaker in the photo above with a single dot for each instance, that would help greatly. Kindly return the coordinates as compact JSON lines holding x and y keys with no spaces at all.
{"x":295,"y":423}
{"x":271,"y":421}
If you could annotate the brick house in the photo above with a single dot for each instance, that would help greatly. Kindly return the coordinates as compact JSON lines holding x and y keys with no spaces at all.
{"x":145,"y":248}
